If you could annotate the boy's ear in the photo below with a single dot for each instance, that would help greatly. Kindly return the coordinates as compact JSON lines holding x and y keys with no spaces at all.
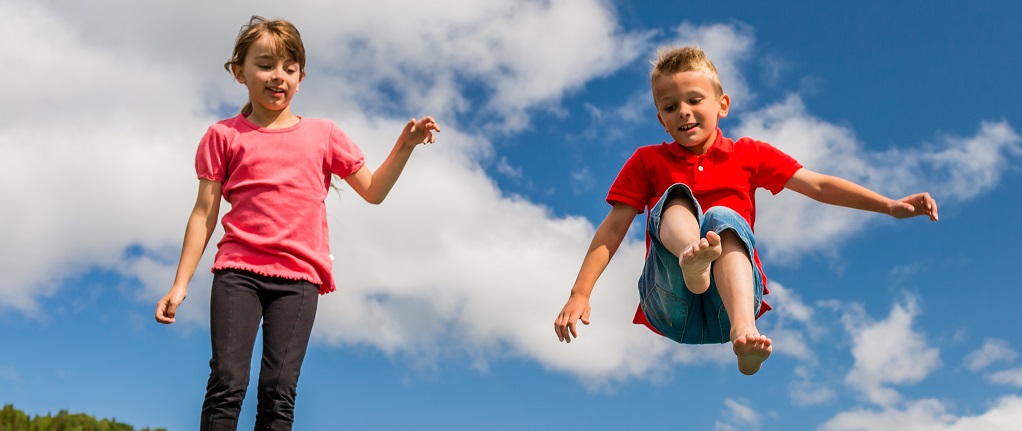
{"x":725,"y":104}
{"x":661,"y":120}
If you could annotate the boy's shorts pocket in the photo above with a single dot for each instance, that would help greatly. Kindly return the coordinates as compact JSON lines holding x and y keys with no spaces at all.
{"x":667,"y":312}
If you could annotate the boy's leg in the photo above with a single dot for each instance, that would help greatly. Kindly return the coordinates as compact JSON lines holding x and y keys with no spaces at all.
{"x":733,"y":276}
{"x":287,"y":325}
{"x":234,"y":313}
{"x":679,"y":232}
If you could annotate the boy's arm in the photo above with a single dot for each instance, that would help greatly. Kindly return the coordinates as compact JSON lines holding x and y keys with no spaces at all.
{"x":200,"y":227}
{"x":374,"y":187}
{"x":605,"y":243}
{"x":837,"y":191}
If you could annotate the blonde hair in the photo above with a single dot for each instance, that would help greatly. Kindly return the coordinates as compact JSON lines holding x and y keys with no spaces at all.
{"x":287,"y":43}
{"x":672,"y":60}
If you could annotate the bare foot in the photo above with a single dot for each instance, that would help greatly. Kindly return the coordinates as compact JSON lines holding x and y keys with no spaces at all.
{"x":752,"y":350}
{"x":695,"y":262}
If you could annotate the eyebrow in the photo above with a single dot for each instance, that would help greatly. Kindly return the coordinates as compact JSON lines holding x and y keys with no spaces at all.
{"x":275,"y":58}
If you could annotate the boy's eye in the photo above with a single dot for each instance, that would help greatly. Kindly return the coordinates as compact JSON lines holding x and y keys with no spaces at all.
{"x":695,"y":101}
{"x":669,"y":108}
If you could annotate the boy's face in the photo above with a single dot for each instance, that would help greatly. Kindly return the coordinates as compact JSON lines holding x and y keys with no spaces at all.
{"x":271,"y":81}
{"x":688,"y":108}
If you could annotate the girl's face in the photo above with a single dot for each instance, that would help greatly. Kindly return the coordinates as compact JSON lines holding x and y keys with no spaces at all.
{"x":272,"y":81}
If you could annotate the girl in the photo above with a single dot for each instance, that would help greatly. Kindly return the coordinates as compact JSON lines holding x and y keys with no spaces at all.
{"x":275,"y":169}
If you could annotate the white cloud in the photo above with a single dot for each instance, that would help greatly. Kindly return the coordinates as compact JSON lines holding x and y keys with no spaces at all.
{"x":507,"y":170}
{"x":738,"y":415}
{"x":929,"y":415}
{"x":789,"y":225}
{"x":448,"y":266}
{"x":727,"y":45}
{"x":887,"y":352}
{"x":1011,"y":377}
{"x":993,"y":350}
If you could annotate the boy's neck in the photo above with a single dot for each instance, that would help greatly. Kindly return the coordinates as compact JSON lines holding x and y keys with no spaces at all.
{"x":270,"y":119}
{"x":705,"y":146}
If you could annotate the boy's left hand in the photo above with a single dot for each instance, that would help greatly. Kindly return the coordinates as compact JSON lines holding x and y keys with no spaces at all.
{"x":914,"y":205}
{"x":421,"y":131}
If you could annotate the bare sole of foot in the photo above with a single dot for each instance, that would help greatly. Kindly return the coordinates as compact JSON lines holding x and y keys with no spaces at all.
{"x":752,"y":350}
{"x":695,"y":262}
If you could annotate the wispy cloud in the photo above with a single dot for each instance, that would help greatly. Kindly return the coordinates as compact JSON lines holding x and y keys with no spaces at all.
{"x":993,"y":351}
{"x":739,"y":415}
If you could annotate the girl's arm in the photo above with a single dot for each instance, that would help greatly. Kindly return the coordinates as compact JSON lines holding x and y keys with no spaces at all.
{"x":200,"y":227}
{"x":837,"y":191}
{"x":374,"y":187}
{"x":605,"y":243}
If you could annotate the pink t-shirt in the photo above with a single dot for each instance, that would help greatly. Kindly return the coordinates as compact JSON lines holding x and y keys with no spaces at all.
{"x":277,"y":181}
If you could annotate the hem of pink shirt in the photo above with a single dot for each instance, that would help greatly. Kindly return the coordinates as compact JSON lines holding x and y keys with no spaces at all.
{"x":323,"y":289}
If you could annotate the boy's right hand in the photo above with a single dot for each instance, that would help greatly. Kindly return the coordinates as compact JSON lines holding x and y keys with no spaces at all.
{"x":166,"y":309}
{"x":577,"y":308}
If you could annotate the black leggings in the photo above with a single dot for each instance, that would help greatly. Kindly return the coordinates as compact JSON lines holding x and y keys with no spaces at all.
{"x":239,"y":299}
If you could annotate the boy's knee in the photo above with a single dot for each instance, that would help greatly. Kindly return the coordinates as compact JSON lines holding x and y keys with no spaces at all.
{"x":721,"y":213}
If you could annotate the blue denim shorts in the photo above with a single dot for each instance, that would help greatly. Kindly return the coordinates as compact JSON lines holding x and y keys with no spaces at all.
{"x":669,"y":306}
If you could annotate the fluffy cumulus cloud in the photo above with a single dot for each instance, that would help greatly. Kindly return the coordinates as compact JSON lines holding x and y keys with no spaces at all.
{"x":887,"y":352}
{"x":449,"y":266}
{"x":930,"y":415}
{"x":448,"y":261}
{"x":790,"y":225}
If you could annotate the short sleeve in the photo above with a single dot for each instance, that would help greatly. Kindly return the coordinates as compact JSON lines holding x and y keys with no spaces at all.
{"x":775,"y":167}
{"x":345,"y":157}
{"x":632,"y":186}
{"x":211,"y":158}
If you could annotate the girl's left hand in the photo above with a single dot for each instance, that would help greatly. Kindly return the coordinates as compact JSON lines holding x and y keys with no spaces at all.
{"x":421,"y":131}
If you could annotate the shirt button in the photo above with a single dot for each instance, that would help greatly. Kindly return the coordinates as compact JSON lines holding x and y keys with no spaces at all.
{"x":700,"y":169}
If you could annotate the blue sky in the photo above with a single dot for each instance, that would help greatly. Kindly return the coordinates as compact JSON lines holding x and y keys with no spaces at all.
{"x":448,"y":291}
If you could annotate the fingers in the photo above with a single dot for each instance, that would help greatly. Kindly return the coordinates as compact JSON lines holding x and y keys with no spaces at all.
{"x":566,"y":325}
{"x":165,"y":312}
{"x":924,"y":204}
{"x":166,"y":309}
{"x":422,"y":131}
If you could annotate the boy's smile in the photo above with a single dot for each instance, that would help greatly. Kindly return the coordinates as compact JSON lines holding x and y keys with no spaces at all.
{"x":688,"y":108}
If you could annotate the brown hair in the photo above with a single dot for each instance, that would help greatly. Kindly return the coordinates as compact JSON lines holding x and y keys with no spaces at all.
{"x":687,"y":59}
{"x":287,"y":43}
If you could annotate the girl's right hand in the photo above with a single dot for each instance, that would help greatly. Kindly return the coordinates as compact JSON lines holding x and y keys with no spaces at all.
{"x":166,"y":309}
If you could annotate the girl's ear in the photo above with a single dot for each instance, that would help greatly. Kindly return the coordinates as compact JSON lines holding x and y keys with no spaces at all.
{"x":238,"y":75}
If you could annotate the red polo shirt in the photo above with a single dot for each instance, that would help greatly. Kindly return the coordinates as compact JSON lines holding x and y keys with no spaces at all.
{"x":727,"y":175}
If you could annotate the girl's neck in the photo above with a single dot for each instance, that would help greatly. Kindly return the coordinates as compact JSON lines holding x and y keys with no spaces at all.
{"x":269,"y":119}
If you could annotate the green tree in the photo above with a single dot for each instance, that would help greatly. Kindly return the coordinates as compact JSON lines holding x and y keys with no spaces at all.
{"x":12,"y":419}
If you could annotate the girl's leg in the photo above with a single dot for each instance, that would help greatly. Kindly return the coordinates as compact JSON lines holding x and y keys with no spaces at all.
{"x":733,"y":275}
{"x":679,"y":232}
{"x":234,"y":313}
{"x":290,"y":311}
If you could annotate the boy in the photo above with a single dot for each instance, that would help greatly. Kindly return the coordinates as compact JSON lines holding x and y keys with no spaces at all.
{"x":702,"y":281}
